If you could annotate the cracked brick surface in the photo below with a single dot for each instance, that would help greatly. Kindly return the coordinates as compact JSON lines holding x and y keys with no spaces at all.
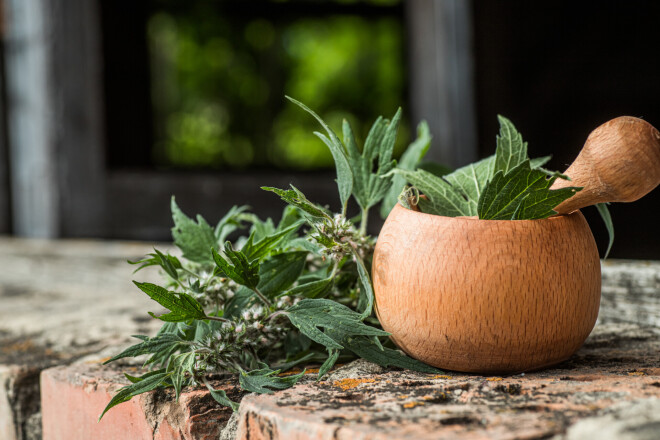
{"x":73,"y":397}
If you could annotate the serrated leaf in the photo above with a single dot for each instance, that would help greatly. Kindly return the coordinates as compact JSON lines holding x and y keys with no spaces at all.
{"x":442,"y":198}
{"x":220,"y":396}
{"x":522,"y":193}
{"x":607,"y":218}
{"x":229,"y":223}
{"x":368,"y":349}
{"x":371,"y":186}
{"x":511,"y":150}
{"x":267,"y":244}
{"x":470,"y":180}
{"x":312,"y":289}
{"x":195,"y":239}
{"x":180,"y":365}
{"x":136,"y":379}
{"x":181,"y":305}
{"x":311,"y":315}
{"x":265,"y":380}
{"x":280,"y":271}
{"x":168,"y":262}
{"x":146,"y":384}
{"x":410,"y":159}
{"x":149,"y":345}
{"x":296,"y":198}
{"x":238,"y":269}
{"x":304,"y":243}
{"x":344,"y":175}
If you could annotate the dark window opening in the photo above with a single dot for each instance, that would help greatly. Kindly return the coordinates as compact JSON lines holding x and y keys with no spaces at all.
{"x":200,"y":85}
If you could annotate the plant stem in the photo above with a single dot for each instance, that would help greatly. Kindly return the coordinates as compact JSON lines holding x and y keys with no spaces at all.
{"x":363,"y":221}
{"x":217,"y":318}
{"x":262,"y":297}
{"x":190,"y":273}
{"x":366,"y":281}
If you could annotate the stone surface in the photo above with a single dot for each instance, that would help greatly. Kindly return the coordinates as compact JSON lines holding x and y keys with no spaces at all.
{"x":61,"y":300}
{"x":619,"y":363}
{"x":638,"y":420}
{"x":73,"y":397}
{"x":630,"y":292}
{"x":71,"y":304}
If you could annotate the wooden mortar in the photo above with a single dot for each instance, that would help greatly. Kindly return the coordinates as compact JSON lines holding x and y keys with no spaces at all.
{"x":503,"y":296}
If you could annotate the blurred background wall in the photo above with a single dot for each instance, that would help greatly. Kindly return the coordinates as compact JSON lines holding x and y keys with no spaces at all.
{"x":107,"y":108}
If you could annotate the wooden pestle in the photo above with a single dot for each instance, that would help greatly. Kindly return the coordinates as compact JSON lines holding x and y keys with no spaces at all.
{"x":620,"y":162}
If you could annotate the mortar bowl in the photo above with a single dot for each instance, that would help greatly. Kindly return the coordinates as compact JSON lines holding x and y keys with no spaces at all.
{"x":486,"y":296}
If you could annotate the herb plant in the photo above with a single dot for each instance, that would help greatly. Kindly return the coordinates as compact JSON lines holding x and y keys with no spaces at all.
{"x":298,"y":291}
{"x":505,"y":186}
{"x":280,"y":294}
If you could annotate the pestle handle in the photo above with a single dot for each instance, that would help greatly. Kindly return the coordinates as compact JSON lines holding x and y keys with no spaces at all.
{"x":620,"y":162}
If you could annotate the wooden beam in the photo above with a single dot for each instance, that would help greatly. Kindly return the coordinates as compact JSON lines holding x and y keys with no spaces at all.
{"x":29,"y":119}
{"x":54,"y":117}
{"x":441,"y":77}
{"x":5,"y":213}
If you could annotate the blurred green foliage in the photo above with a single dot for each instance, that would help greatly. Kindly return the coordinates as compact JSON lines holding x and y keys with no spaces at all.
{"x":218,"y":83}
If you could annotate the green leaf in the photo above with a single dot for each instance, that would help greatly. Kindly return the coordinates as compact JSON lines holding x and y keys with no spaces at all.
{"x":147,"y":383}
{"x":280,"y":271}
{"x":470,"y":180}
{"x":264,"y":380}
{"x":607,"y":218}
{"x":310,"y":315}
{"x":368,"y":349}
{"x":443,"y":199}
{"x":410,"y":159}
{"x":435,"y":168}
{"x":511,"y":150}
{"x":238,"y":268}
{"x":312,"y":289}
{"x":365,"y":286}
{"x":290,"y":215}
{"x":267,"y":244}
{"x":296,"y":198}
{"x":168,"y":262}
{"x":333,"y":355}
{"x":371,"y":186}
{"x":180,"y":365}
{"x":301,"y":357}
{"x":181,"y":305}
{"x":344,"y":175}
{"x":193,"y":238}
{"x":230,"y":222}
{"x":149,"y":345}
{"x":522,"y":193}
{"x":539,"y":161}
{"x":220,"y":396}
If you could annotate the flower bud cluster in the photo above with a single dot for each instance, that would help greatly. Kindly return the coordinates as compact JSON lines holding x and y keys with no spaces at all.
{"x":254,"y":330}
{"x":340,"y":237}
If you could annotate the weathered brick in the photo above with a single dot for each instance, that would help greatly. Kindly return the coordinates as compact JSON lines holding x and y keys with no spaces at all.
{"x":73,"y":397}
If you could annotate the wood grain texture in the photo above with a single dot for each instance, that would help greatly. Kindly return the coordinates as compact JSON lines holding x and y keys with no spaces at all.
{"x":620,"y":162}
{"x":486,"y":296}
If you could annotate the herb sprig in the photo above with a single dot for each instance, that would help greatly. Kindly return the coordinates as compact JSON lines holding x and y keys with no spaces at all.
{"x":276,"y":296}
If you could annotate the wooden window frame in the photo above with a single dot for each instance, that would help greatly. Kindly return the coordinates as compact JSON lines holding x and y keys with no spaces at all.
{"x":61,"y":185}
